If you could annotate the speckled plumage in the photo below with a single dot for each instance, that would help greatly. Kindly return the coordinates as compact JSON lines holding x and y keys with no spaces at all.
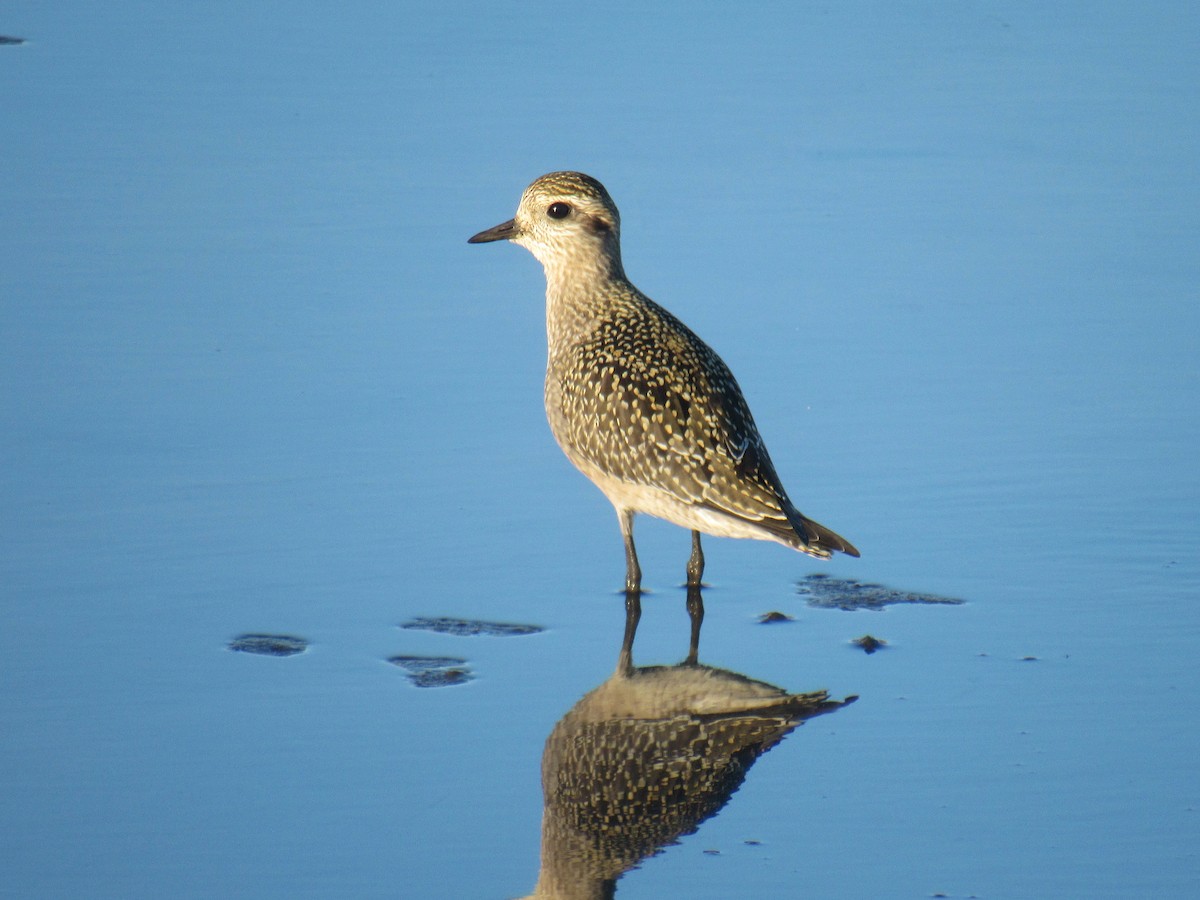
{"x":644,"y":759}
{"x":637,"y":402}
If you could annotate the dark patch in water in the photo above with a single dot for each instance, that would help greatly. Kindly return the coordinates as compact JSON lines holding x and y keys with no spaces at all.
{"x":843,"y":593}
{"x":870,"y":643}
{"x":269,"y":644}
{"x":433,"y":671}
{"x":774,"y":617}
{"x":5,"y":39}
{"x":468,"y":627}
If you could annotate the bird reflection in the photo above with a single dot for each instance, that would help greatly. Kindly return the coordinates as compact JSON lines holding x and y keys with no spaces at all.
{"x":649,"y":755}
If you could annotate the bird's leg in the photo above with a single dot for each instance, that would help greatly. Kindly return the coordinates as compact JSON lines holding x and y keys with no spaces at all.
{"x":633,"y":614}
{"x":695,"y":566}
{"x":633,"y":572}
{"x":695,"y":608}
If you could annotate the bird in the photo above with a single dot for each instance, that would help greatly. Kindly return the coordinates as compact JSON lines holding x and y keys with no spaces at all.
{"x":637,"y":402}
{"x":647,"y":757}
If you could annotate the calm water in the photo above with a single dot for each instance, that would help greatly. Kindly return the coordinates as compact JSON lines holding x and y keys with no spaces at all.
{"x":255,"y":380}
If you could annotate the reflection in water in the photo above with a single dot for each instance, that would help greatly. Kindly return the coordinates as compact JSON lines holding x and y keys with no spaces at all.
{"x":647,"y":756}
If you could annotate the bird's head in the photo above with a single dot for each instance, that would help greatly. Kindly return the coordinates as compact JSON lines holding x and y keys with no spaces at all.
{"x":564,"y":219}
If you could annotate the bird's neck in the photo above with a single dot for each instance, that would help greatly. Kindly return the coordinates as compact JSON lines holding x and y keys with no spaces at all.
{"x":575,"y":268}
{"x":579,"y":292}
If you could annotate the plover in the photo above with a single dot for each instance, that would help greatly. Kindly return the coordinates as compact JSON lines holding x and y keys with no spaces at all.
{"x":638,"y":403}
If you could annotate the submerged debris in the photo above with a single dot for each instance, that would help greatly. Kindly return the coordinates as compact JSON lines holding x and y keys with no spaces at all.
{"x":772,"y":617}
{"x":433,"y":671}
{"x":469,"y":627}
{"x":870,"y":643}
{"x":844,"y":593}
{"x":269,"y":644}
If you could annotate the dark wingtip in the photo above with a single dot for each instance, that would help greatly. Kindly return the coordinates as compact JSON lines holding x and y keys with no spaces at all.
{"x":845,"y":546}
{"x":816,"y":535}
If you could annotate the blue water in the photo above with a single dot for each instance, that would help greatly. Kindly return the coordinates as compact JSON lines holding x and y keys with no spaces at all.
{"x":253,"y":379}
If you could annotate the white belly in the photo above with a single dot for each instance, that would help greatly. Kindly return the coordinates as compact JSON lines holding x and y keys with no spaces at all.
{"x":662,"y":505}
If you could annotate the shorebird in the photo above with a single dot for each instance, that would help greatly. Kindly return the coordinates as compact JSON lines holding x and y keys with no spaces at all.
{"x":636,"y":401}
{"x":644,"y":759}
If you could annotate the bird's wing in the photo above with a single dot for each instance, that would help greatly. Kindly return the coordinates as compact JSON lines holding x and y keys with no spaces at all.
{"x":646,"y":401}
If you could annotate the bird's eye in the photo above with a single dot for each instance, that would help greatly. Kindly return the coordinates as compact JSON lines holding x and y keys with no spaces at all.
{"x":558,"y":210}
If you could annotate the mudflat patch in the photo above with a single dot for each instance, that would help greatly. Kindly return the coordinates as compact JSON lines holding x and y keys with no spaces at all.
{"x":434,"y":671}
{"x":469,"y":627}
{"x":269,"y":644}
{"x":843,"y":593}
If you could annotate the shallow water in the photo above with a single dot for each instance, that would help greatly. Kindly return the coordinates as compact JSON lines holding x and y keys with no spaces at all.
{"x":254,"y":381}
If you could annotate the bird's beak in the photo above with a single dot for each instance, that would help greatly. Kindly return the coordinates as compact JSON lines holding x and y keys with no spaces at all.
{"x":505,"y":231}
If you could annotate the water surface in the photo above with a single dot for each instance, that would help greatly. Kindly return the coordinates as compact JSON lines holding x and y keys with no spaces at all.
{"x":255,"y":382}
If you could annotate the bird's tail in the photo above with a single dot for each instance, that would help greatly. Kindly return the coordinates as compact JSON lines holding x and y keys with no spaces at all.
{"x":818,"y":540}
